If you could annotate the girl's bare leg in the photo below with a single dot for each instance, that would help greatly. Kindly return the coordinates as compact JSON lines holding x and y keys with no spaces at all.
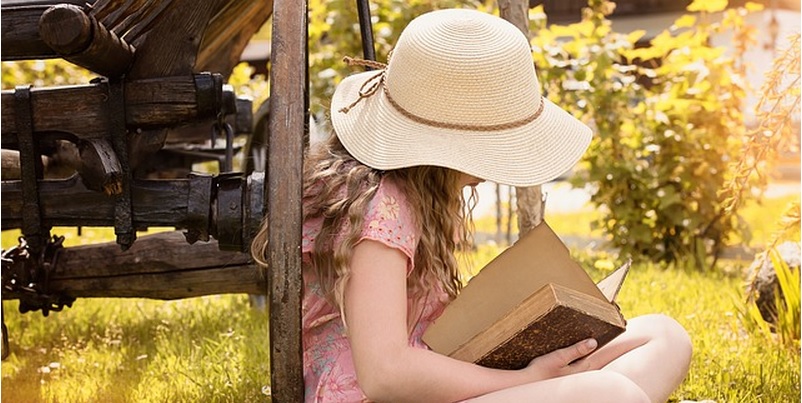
{"x":646,"y":363}
{"x":591,"y":386}
{"x":654,"y":352}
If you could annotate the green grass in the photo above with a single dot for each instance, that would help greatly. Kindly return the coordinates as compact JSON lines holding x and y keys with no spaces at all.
{"x":132,"y":350}
{"x":216,"y":348}
{"x":729,"y":364}
{"x":760,"y":218}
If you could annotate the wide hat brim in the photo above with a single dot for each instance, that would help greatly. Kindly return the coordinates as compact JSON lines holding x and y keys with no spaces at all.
{"x":380,"y":136}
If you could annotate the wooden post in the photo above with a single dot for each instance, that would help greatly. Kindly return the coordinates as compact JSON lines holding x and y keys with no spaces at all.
{"x":530,"y":199}
{"x":287,"y":125}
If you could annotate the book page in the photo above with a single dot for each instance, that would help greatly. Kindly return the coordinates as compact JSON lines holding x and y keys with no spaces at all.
{"x":611,"y":285}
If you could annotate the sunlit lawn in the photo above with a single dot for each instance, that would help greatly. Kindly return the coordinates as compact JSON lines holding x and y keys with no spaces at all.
{"x":762,"y":218}
{"x":216,"y":348}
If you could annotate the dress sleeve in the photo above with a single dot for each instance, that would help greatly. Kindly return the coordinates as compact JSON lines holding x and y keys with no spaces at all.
{"x":389,"y":220}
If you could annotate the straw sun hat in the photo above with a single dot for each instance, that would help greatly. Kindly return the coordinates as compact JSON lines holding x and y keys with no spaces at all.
{"x":460,"y":92}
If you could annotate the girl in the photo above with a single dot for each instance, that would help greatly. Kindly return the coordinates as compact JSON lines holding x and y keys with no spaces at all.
{"x":458,"y":103}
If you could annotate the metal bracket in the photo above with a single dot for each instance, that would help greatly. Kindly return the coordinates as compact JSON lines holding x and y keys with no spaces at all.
{"x":31,"y":169}
{"x":199,"y":208}
{"x":228,"y":215}
{"x":123,"y":209}
{"x":222,"y":126}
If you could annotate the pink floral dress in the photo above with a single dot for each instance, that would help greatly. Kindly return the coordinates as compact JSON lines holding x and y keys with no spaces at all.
{"x":329,"y":374}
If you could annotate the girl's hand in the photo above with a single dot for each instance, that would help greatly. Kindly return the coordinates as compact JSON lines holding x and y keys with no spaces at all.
{"x":561,"y":362}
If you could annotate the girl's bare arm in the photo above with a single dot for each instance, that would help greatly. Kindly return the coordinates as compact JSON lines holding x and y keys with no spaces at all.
{"x":388,"y":369}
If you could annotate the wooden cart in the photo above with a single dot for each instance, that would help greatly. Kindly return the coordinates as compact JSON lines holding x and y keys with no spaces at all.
{"x":160,"y":92}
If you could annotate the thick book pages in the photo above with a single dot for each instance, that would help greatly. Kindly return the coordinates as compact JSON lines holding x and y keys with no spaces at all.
{"x":530,"y":300}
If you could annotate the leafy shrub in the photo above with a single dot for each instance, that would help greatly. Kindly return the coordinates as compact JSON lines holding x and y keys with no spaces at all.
{"x":334,"y":33}
{"x":40,"y":73}
{"x":667,"y":116}
{"x":778,"y":125}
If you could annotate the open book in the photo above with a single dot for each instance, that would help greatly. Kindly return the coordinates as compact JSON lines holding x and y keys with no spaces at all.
{"x":530,"y":300}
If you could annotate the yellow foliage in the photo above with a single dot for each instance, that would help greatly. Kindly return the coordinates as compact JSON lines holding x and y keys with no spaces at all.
{"x":564,"y":30}
{"x":686,"y":21}
{"x":710,"y":6}
{"x":634,"y":36}
{"x":241,"y":74}
{"x":751,"y":7}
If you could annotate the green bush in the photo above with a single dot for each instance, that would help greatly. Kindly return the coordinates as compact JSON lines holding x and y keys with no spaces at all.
{"x":334,"y":33}
{"x":40,"y":73}
{"x":667,"y":117}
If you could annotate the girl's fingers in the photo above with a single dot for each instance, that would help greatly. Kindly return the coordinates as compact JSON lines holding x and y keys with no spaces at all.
{"x":564,"y":361}
{"x":577,"y":351}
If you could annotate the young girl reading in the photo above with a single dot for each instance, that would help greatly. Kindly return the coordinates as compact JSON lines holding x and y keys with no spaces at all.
{"x":457,"y":103}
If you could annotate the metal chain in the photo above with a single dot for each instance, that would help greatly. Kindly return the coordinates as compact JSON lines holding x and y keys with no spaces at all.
{"x":26,"y":277}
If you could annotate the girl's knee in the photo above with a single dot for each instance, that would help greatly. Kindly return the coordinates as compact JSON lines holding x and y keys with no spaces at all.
{"x":667,"y":331}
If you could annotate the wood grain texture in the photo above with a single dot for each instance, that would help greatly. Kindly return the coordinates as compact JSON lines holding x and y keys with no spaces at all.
{"x":228,"y":34}
{"x":79,"y":38}
{"x":170,"y":48}
{"x":70,"y":203}
{"x":20,"y":34}
{"x":287,"y":125}
{"x":146,"y":271}
{"x":81,"y":110}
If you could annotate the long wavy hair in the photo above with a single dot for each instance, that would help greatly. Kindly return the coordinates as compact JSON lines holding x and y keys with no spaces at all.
{"x":339,"y":188}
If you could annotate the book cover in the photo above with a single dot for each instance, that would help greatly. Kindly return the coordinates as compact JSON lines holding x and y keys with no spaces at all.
{"x":531,"y":299}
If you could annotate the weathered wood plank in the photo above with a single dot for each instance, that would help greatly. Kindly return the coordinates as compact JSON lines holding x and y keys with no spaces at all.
{"x":102,"y":9}
{"x":145,"y":271}
{"x":20,"y":29}
{"x":226,"y":207}
{"x":82,"y":109}
{"x":287,"y":124}
{"x":175,"y":285}
{"x":10,"y":167}
{"x":228,"y":34}
{"x":170,"y":48}
{"x":70,"y":203}
{"x":20,"y":34}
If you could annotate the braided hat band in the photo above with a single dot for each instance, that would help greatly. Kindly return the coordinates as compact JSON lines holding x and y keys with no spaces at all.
{"x":372,"y":84}
{"x":460,"y":92}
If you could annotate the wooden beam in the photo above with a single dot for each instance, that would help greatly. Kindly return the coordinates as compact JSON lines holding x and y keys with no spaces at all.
{"x":170,"y":48}
{"x":146,"y":271}
{"x":82,"y":109}
{"x":81,"y":39}
{"x":287,"y":125}
{"x":157,"y":203}
{"x":20,"y":33}
{"x":229,"y":33}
